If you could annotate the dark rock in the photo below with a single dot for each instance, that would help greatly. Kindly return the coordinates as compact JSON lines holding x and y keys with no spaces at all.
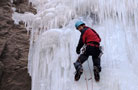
{"x":14,"y":48}
{"x":9,"y":4}
{"x":6,"y":7}
{"x":17,"y":2}
{"x":1,"y":69}
{"x":21,"y":23}
{"x":10,"y":22}
{"x":23,"y":6}
{"x":18,"y":80}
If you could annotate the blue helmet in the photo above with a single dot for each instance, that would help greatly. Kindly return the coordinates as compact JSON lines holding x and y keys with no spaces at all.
{"x":78,"y":23}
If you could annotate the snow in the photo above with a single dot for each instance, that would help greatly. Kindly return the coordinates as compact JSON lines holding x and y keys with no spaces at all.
{"x":54,"y":39}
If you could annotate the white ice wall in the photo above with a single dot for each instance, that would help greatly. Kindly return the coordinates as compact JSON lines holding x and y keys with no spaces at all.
{"x":54,"y":38}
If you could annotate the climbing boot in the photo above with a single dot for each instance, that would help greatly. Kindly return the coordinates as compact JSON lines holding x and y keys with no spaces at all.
{"x":96,"y":74}
{"x":79,"y":71}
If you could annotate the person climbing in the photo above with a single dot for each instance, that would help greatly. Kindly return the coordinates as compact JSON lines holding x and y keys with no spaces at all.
{"x":91,"y":39}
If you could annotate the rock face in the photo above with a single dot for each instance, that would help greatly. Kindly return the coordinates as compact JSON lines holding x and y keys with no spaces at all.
{"x":1,"y":69}
{"x":14,"y":48}
{"x":23,"y":6}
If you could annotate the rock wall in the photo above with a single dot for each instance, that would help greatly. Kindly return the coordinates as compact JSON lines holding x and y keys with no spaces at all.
{"x":14,"y":47}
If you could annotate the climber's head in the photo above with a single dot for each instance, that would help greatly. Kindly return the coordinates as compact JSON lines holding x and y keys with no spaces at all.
{"x":79,"y":25}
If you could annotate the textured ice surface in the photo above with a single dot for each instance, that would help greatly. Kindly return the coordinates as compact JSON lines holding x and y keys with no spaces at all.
{"x":52,"y":67}
{"x":54,"y":39}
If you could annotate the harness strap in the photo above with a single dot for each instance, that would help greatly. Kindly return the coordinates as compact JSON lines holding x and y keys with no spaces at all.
{"x":92,"y":43}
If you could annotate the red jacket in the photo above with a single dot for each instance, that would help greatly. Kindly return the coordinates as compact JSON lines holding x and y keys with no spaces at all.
{"x":88,"y":36}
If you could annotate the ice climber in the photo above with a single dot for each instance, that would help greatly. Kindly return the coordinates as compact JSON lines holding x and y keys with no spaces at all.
{"x":91,"y":40}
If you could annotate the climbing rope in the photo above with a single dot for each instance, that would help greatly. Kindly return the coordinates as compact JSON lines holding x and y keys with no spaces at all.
{"x":86,"y":80}
{"x":90,"y":74}
{"x":84,"y":76}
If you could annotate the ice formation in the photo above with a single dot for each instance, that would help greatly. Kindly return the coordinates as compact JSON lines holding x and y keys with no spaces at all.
{"x":54,"y":38}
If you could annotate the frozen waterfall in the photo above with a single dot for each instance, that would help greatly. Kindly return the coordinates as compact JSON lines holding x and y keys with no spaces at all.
{"x":54,"y":39}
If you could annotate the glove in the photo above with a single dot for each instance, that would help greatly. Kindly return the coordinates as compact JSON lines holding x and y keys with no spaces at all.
{"x":78,"y":51}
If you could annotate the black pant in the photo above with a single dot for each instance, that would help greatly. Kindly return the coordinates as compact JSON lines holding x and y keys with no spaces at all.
{"x":94,"y":52}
